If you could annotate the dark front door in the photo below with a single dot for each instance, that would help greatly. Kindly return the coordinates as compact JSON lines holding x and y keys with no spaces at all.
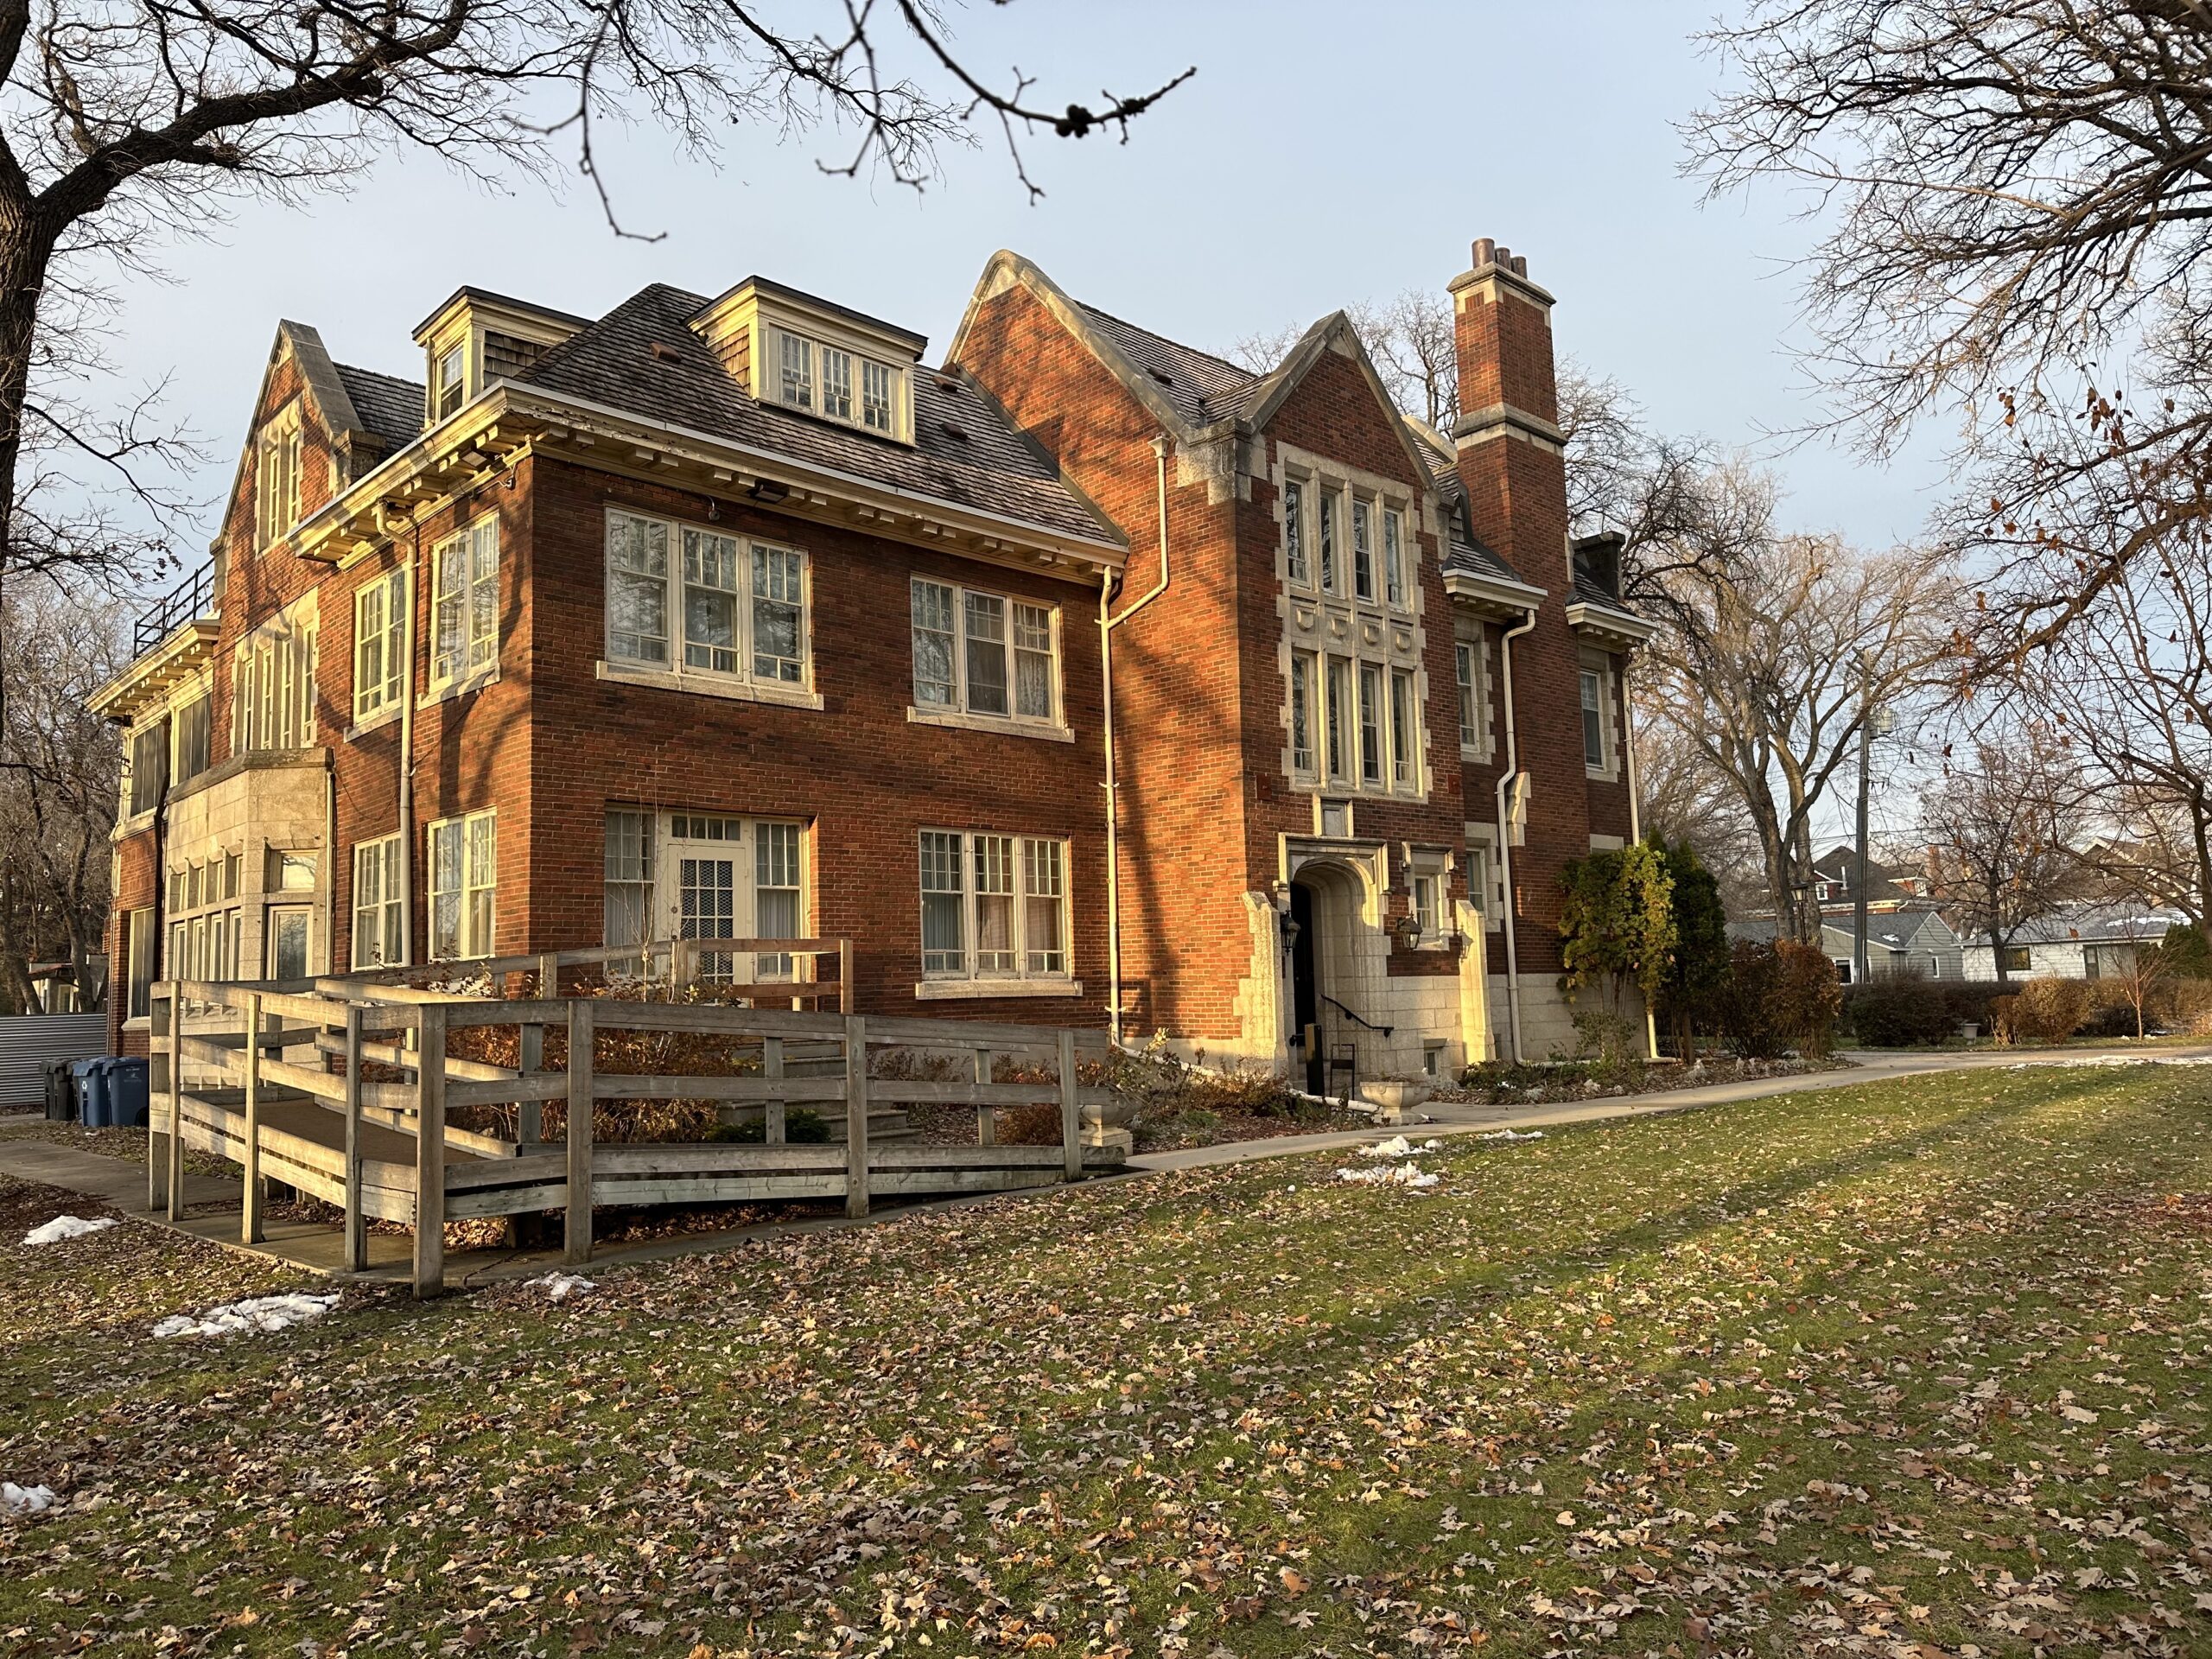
{"x":1305,"y":991}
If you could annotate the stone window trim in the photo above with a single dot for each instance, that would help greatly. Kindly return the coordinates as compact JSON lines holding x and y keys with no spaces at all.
{"x":698,"y":685}
{"x":1484,"y":874}
{"x":1328,"y":722}
{"x":959,"y":720}
{"x":1315,"y":497}
{"x":273,"y":674}
{"x":277,"y":448}
{"x":950,"y":991}
{"x":1428,"y":893}
{"x":1606,"y":672}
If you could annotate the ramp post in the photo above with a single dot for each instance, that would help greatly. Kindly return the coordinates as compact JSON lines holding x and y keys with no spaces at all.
{"x":430,"y":1153}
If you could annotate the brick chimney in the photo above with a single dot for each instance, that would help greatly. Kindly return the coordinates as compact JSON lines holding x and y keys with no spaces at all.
{"x":1508,"y":431}
{"x":1509,"y":459}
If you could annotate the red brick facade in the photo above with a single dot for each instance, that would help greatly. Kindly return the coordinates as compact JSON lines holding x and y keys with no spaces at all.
{"x":1211,"y":821}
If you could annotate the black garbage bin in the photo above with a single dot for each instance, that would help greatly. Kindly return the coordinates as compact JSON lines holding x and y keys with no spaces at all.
{"x":60,"y":1098}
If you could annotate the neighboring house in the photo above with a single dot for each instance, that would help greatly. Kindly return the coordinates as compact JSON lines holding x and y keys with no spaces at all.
{"x":1889,"y":886}
{"x":2090,"y":940}
{"x":1898,"y":942}
{"x":54,"y":985}
{"x":732,"y":617}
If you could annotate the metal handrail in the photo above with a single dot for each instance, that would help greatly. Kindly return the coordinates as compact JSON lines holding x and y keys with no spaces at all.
{"x":1355,"y":1019}
{"x":192,"y":598}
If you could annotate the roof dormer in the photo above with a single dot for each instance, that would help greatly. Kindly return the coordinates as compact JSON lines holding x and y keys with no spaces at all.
{"x":813,"y":357}
{"x":476,"y":338}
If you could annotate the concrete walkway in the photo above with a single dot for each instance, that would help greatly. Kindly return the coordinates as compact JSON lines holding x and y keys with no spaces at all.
{"x":316,"y":1248}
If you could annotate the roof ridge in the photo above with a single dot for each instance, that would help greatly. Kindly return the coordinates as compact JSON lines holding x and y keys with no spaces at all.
{"x":377,"y":374}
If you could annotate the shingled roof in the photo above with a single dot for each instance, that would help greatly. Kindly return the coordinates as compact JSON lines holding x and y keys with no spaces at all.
{"x":392,"y":409}
{"x":643,"y":358}
{"x":1204,"y":388}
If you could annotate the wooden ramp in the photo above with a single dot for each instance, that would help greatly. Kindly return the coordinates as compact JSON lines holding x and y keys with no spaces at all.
{"x":297,"y":1084}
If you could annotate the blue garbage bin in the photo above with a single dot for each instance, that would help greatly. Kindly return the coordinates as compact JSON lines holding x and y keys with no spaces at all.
{"x":91,"y":1092}
{"x":127,"y":1091}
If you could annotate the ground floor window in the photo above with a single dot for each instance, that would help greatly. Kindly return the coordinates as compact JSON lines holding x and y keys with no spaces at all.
{"x":138,"y":947}
{"x":379,"y":903}
{"x":994,"y":906}
{"x":2013,"y":958}
{"x":464,"y":881}
{"x":699,"y":876}
{"x":207,"y":920}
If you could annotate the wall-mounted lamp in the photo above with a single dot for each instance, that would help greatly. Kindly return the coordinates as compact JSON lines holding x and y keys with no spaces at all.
{"x":1406,"y":931}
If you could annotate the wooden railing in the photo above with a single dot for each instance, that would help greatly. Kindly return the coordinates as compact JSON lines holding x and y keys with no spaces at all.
{"x":680,"y":964}
{"x":357,"y":1022}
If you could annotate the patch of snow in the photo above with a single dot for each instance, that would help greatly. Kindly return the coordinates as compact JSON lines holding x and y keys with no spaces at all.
{"x":63,"y":1227}
{"x":1508,"y":1134}
{"x":255,"y":1314}
{"x":559,"y":1287}
{"x":1398,"y":1147}
{"x":1389,"y":1175}
{"x":25,"y":1500}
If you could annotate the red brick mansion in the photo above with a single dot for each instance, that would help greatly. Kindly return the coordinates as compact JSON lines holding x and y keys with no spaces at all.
{"x":1084,"y":679}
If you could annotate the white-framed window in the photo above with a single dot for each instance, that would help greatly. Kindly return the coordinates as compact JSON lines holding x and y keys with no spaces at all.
{"x":1470,"y":671}
{"x":994,"y":906}
{"x":272,"y":683}
{"x":1372,"y":718}
{"x":1363,"y":550}
{"x":984,"y":653}
{"x":1597,"y":721}
{"x":465,"y":604}
{"x":464,"y":864}
{"x":1296,"y":564}
{"x":277,"y":478}
{"x":1428,"y":904}
{"x":379,"y":903}
{"x":1303,"y":672}
{"x":1396,"y":591}
{"x":380,"y":646}
{"x":843,"y":384}
{"x":689,"y":875}
{"x":207,"y":921}
{"x":138,"y":964}
{"x":449,"y":379}
{"x":285,"y":937}
{"x":742,"y":601}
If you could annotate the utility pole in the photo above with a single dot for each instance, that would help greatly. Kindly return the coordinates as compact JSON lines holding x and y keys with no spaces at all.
{"x":1858,"y":875}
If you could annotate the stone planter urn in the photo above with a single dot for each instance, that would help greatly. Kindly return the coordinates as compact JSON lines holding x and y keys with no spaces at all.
{"x":1117,"y":1113}
{"x":1392,"y":1097}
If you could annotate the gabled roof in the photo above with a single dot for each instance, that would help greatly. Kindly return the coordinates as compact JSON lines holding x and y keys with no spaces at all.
{"x":1188,"y":391}
{"x":2093,"y":922}
{"x":389,"y":408}
{"x":643,"y":358}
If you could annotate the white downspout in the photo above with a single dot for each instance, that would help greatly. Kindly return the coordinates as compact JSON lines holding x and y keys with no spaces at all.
{"x":1505,"y":780}
{"x":1107,"y":624}
{"x":1636,"y":832}
{"x":406,"y":768}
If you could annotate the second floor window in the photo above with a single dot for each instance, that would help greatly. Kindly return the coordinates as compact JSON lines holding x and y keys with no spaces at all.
{"x":465,"y":603}
{"x":984,"y":653}
{"x":1369,"y":721}
{"x":379,"y":645}
{"x":1363,"y":550}
{"x":742,"y":602}
{"x":1301,"y":712}
{"x":1594,"y":720}
{"x":1463,"y":664}
{"x":148,"y":776}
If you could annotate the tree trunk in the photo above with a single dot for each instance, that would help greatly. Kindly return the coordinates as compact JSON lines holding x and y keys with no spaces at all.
{"x":1997,"y":957}
{"x":26,"y":253}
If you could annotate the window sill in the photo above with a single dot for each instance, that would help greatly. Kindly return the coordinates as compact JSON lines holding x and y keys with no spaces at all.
{"x":950,"y":990}
{"x":375,"y":722}
{"x":703,"y":685}
{"x":1003,"y":725}
{"x":136,"y":824}
{"x":460,"y":688}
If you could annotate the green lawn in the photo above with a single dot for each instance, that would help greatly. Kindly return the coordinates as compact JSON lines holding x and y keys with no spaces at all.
{"x":1908,"y":1368}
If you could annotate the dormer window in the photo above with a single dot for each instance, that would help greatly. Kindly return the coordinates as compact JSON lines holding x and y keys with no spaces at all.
{"x":449,"y":380}
{"x":820,"y":378}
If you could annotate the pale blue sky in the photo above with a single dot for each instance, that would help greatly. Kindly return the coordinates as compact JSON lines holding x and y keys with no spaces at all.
{"x":1322,"y":154}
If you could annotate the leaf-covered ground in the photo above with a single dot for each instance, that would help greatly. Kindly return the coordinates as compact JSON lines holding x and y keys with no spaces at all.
{"x":1910,"y":1368}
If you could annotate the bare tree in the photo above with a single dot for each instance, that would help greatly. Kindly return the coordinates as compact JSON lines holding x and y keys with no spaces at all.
{"x":1684,"y":798}
{"x":125,"y":122}
{"x":2001,"y":832}
{"x":59,"y":769}
{"x":1772,"y":651}
{"x":2016,"y":198}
